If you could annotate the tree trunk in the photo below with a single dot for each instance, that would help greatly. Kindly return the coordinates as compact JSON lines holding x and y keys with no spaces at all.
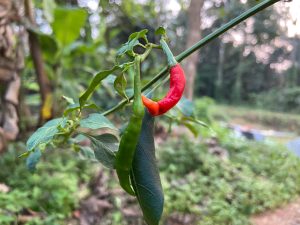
{"x":194,"y":35}
{"x":237,"y":87}
{"x":220,"y":72}
{"x":295,"y":58}
{"x":43,"y":81}
{"x":11,"y":62}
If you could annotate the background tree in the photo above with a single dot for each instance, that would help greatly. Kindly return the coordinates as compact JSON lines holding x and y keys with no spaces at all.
{"x":11,"y":64}
{"x":193,"y":35}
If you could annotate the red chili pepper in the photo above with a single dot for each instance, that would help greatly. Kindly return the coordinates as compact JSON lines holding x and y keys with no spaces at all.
{"x":177,"y":84}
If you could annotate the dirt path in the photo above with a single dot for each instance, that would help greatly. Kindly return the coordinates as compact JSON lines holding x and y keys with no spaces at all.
{"x":286,"y":215}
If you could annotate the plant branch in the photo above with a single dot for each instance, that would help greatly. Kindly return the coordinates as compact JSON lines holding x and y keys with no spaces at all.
{"x":255,"y":9}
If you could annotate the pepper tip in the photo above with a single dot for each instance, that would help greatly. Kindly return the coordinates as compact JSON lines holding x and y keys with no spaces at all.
{"x":152,"y":106}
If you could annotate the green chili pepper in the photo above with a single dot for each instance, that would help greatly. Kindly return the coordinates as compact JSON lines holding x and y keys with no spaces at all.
{"x":131,"y":134}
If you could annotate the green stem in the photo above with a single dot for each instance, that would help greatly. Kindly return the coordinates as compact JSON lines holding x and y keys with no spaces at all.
{"x":146,"y":53}
{"x":171,"y":60}
{"x":143,"y":46}
{"x":137,"y":79}
{"x":154,"y":45}
{"x":255,"y":9}
{"x":138,"y":108}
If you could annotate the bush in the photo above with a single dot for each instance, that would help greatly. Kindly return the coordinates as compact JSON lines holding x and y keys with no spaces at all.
{"x":285,"y":100}
{"x":254,"y":178}
{"x":197,"y":184}
{"x":202,"y":106}
{"x":52,"y":191}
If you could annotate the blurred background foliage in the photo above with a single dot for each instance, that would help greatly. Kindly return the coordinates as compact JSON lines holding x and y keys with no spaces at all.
{"x":247,"y":65}
{"x":215,"y":179}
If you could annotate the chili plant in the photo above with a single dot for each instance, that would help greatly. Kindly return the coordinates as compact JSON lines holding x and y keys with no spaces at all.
{"x":131,"y":152}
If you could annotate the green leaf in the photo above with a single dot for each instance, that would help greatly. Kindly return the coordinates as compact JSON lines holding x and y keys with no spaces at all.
{"x":185,"y":106}
{"x":137,"y":35}
{"x":120,"y":85}
{"x":68,"y":99}
{"x":47,"y":43}
{"x":48,"y":9}
{"x":80,"y":47}
{"x":161,"y":31}
{"x":87,"y":153}
{"x":192,"y":127}
{"x":105,"y":147}
{"x":133,"y":41}
{"x":67,"y":24}
{"x":24,"y":154}
{"x":96,"y":121}
{"x":196,"y":121}
{"x":128,"y":47}
{"x":145,"y":175}
{"x":76,"y":106}
{"x":94,"y":83}
{"x":33,"y":159}
{"x":45,"y":134}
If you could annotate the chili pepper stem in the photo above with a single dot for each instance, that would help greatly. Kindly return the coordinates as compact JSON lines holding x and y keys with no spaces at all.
{"x":137,"y":103}
{"x":171,"y":59}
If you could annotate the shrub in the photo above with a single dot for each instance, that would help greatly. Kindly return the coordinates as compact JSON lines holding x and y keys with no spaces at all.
{"x":285,"y":100}
{"x":52,"y":191}
{"x":256,"y":177}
